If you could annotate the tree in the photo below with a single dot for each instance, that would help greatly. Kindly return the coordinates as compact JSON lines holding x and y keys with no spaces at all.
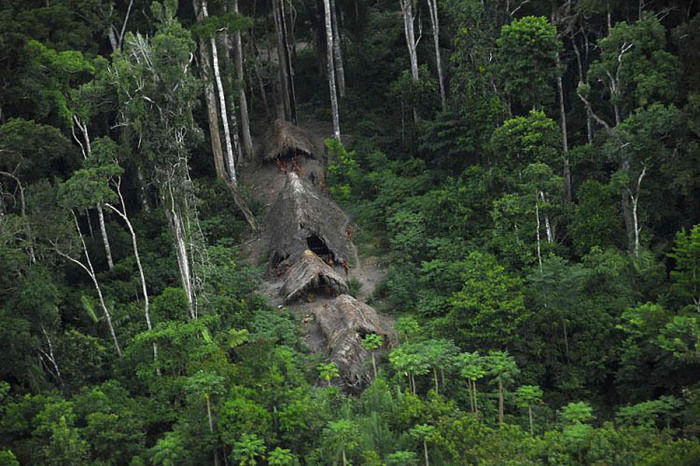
{"x":330,"y":68}
{"x":472,"y":368}
{"x":85,"y":188}
{"x":282,"y":457}
{"x":578,"y":412}
{"x":439,"y":355}
{"x":489,"y":308}
{"x":328,"y":371}
{"x":686,"y":273}
{"x":424,"y":433}
{"x":247,"y":450}
{"x":412,"y":43}
{"x":371,"y":343}
{"x":503,"y":368}
{"x":410,"y":359}
{"x":528,"y":51}
{"x":156,"y":92}
{"x":435,"y":25}
{"x":634,"y":69}
{"x":340,"y":437}
{"x":527,"y":395}
{"x":407,"y":327}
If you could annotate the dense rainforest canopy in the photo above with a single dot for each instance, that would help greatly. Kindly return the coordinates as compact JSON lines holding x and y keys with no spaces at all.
{"x":525,"y":174}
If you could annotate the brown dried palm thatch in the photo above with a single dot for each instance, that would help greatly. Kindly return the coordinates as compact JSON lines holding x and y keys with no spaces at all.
{"x":311,"y":275}
{"x":285,"y":138}
{"x":302,"y":219}
{"x":344,"y":324}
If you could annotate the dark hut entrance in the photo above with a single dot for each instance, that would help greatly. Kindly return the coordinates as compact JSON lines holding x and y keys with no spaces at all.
{"x":319,"y":247}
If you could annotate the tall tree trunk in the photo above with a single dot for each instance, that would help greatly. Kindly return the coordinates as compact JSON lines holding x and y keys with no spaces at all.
{"x":181,"y":253}
{"x":374,"y":365}
{"x":88,"y":268}
{"x":435,"y":377}
{"x":258,"y":76}
{"x":121,"y":212}
{"x":537,"y":231}
{"x":409,"y":31}
{"x":211,"y":427}
{"x":285,"y":67}
{"x":242,"y":100}
{"x":589,"y":118}
{"x":105,"y":238}
{"x":229,"y":154}
{"x":529,"y":413}
{"x":291,"y":52}
{"x":212,"y":111}
{"x":337,"y":52}
{"x":331,"y":69}
{"x":433,"y":7}
{"x":86,"y":149}
{"x":564,"y":137}
{"x":500,"y":403}
{"x":634,"y":198}
{"x":425,"y":452}
{"x":214,"y":133}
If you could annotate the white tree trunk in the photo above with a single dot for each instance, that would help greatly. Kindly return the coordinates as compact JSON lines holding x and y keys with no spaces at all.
{"x":242,"y":100}
{"x":86,"y":149}
{"x":105,"y":239}
{"x":564,"y":137}
{"x":91,"y":272}
{"x":337,"y":53}
{"x":539,"y":243}
{"x":434,"y":22}
{"x":635,"y":217}
{"x":409,"y":31}
{"x":183,"y":259}
{"x":230,"y":158}
{"x":121,"y":212}
{"x":331,"y":69}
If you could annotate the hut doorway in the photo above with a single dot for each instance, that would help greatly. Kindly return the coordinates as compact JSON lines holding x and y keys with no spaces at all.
{"x":319,"y":247}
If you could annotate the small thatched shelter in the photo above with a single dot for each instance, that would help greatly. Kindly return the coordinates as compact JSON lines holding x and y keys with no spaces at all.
{"x":286,"y":140}
{"x":311,"y":275}
{"x":302,"y":219}
{"x":344,"y":324}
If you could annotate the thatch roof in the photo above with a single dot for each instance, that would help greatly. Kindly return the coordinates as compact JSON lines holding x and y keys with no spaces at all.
{"x":344,"y":324}
{"x":302,"y":219}
{"x":310,"y":274}
{"x":285,"y":136}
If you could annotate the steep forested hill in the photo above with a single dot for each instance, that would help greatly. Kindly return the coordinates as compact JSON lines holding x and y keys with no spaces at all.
{"x":527,"y":173}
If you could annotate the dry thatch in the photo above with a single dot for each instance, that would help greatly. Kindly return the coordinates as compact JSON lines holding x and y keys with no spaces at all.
{"x":285,"y":138}
{"x":344,"y":324}
{"x":310,"y":274}
{"x":303,"y":219}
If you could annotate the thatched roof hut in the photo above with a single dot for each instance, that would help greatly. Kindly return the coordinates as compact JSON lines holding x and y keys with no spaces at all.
{"x":285,"y":139}
{"x":344,"y":324}
{"x":302,"y":219}
{"x":310,"y":275}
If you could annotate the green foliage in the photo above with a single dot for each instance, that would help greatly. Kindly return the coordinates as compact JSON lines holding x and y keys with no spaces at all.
{"x":328,"y":371}
{"x":499,"y":280}
{"x":282,"y":457}
{"x":686,"y":273}
{"x":342,"y":170}
{"x":489,"y":308}
{"x":577,"y":413}
{"x":527,"y":52}
{"x":247,"y":450}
